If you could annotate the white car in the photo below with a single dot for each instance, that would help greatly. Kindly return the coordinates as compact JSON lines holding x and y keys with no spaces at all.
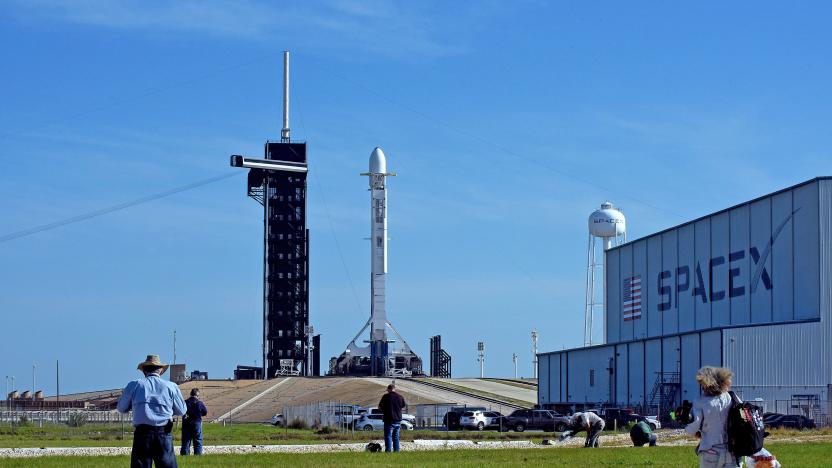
{"x":277,"y":420}
{"x":374,"y":422}
{"x":474,"y":419}
{"x":653,"y":422}
{"x":405,"y":417}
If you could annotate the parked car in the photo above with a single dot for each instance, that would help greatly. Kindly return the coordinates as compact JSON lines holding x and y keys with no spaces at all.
{"x":405,"y":417}
{"x":492,"y":418}
{"x":375,"y":422}
{"x":452,"y":417}
{"x":617,"y":417}
{"x":545,"y":420}
{"x":277,"y":420}
{"x":652,"y":421}
{"x":788,"y":421}
{"x":473,"y":420}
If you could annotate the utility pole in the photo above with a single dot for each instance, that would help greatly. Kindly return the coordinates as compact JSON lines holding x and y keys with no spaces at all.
{"x":481,"y":357}
{"x":7,"y":392}
{"x":309,"y":330}
{"x":534,"y":353}
{"x":174,"y":346}
{"x":58,"y":381}
{"x":514,"y":359}
{"x":34,"y":366}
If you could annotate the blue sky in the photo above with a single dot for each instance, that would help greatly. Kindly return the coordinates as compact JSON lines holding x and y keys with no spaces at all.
{"x":508,"y":123}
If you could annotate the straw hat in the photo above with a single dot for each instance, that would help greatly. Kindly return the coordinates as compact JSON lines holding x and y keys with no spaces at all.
{"x":153,"y":360}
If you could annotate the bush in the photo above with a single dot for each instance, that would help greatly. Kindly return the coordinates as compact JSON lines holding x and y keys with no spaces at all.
{"x":23,"y":421}
{"x":326,"y":430}
{"x":298,"y":423}
{"x":76,"y":420}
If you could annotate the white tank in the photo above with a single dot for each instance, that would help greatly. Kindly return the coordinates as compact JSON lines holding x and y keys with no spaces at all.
{"x":607,"y":222}
{"x":378,"y":163}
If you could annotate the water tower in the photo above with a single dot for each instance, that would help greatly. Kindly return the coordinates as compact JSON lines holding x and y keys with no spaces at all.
{"x":606,"y":224}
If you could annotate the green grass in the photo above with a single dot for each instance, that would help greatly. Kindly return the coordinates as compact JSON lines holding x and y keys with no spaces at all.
{"x":216,"y":434}
{"x":803,"y":455}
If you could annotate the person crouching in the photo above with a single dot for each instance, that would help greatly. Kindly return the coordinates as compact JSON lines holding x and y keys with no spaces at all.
{"x":589,"y":422}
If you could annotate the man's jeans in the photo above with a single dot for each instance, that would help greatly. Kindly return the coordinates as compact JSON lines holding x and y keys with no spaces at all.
{"x":191,"y":432}
{"x":152,"y":445}
{"x":391,"y":436}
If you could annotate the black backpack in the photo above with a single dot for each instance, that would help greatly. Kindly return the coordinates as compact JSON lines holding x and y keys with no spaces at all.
{"x":745,"y":428}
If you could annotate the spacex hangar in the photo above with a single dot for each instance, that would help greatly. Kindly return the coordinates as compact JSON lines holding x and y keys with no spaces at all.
{"x":748,"y":287}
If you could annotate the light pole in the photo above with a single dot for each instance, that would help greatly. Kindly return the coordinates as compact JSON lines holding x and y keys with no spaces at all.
{"x":34,"y":366}
{"x":534,"y":353}
{"x":514,"y":359}
{"x":7,"y":392}
{"x":481,"y":357}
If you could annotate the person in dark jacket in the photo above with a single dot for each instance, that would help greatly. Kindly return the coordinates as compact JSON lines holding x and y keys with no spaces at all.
{"x":641,"y":434}
{"x":192,"y":424}
{"x":391,"y":405}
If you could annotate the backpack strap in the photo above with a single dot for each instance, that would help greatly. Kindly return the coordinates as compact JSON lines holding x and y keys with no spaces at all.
{"x":734,"y":399}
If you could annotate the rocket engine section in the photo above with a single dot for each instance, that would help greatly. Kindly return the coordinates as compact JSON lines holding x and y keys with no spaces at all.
{"x":383,"y":355}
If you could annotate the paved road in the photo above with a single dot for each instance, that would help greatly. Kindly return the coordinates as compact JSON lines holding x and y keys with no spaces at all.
{"x":497,"y":388}
{"x":435,"y":394}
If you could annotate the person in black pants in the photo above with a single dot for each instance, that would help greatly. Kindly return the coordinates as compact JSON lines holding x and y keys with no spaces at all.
{"x":154,"y":403}
{"x":192,"y":424}
{"x":391,"y":405}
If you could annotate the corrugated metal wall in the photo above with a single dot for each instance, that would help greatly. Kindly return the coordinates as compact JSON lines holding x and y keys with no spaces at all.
{"x":637,"y":365}
{"x":825,"y":211}
{"x":704,"y":274}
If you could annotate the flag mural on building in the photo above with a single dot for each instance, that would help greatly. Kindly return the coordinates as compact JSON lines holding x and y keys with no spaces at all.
{"x":632,"y":298}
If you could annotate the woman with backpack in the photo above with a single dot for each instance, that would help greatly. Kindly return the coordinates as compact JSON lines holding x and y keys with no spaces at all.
{"x":710,"y":418}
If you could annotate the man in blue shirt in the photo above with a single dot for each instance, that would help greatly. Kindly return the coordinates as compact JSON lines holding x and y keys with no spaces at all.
{"x":154,"y":403}
{"x":192,"y":424}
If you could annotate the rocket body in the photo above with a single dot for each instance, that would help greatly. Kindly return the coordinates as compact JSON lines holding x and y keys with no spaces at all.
{"x":378,"y":252}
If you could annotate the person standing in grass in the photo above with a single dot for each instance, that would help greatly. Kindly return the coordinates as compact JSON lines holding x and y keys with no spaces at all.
{"x":154,"y":403}
{"x":192,"y":424}
{"x":710,"y":418}
{"x":391,"y":405}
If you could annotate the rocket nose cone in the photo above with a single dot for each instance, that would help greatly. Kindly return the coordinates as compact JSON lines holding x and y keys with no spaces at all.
{"x":378,"y":163}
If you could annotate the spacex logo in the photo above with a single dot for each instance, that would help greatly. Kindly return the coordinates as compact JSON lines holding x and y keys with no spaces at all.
{"x":692,"y":280}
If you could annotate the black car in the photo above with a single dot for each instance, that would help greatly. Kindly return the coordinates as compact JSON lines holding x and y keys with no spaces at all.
{"x":545,"y":420}
{"x":616,"y":417}
{"x":788,"y":421}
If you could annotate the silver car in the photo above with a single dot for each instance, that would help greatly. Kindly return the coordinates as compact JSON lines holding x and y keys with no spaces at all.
{"x":375,"y":422}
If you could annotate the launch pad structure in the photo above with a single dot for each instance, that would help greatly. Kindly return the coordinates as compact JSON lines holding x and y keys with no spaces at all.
{"x":386,"y":352}
{"x":278,"y":183}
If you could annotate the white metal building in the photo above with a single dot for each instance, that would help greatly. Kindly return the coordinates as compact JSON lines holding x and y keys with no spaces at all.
{"x":749,"y":288}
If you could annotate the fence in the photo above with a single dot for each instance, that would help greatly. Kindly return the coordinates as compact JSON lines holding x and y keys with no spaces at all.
{"x":39,"y":418}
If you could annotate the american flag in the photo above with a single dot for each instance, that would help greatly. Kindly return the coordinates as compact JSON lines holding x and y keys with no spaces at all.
{"x":632,"y":297}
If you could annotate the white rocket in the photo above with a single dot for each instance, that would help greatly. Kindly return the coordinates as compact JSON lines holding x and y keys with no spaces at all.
{"x":378,"y":358}
{"x":378,"y":237}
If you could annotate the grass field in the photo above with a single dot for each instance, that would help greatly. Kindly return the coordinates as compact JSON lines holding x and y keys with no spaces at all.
{"x":803,"y":455}
{"x":216,"y":434}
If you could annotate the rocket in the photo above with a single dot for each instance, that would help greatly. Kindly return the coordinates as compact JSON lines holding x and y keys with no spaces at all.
{"x":379,"y":357}
{"x":378,"y":251}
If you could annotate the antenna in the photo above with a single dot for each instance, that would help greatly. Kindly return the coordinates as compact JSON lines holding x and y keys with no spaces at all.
{"x":284,"y":134}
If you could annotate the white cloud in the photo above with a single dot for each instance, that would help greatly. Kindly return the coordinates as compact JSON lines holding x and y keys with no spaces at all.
{"x":385,"y":27}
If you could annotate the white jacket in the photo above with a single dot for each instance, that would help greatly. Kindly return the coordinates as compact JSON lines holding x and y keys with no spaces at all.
{"x":710,"y":418}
